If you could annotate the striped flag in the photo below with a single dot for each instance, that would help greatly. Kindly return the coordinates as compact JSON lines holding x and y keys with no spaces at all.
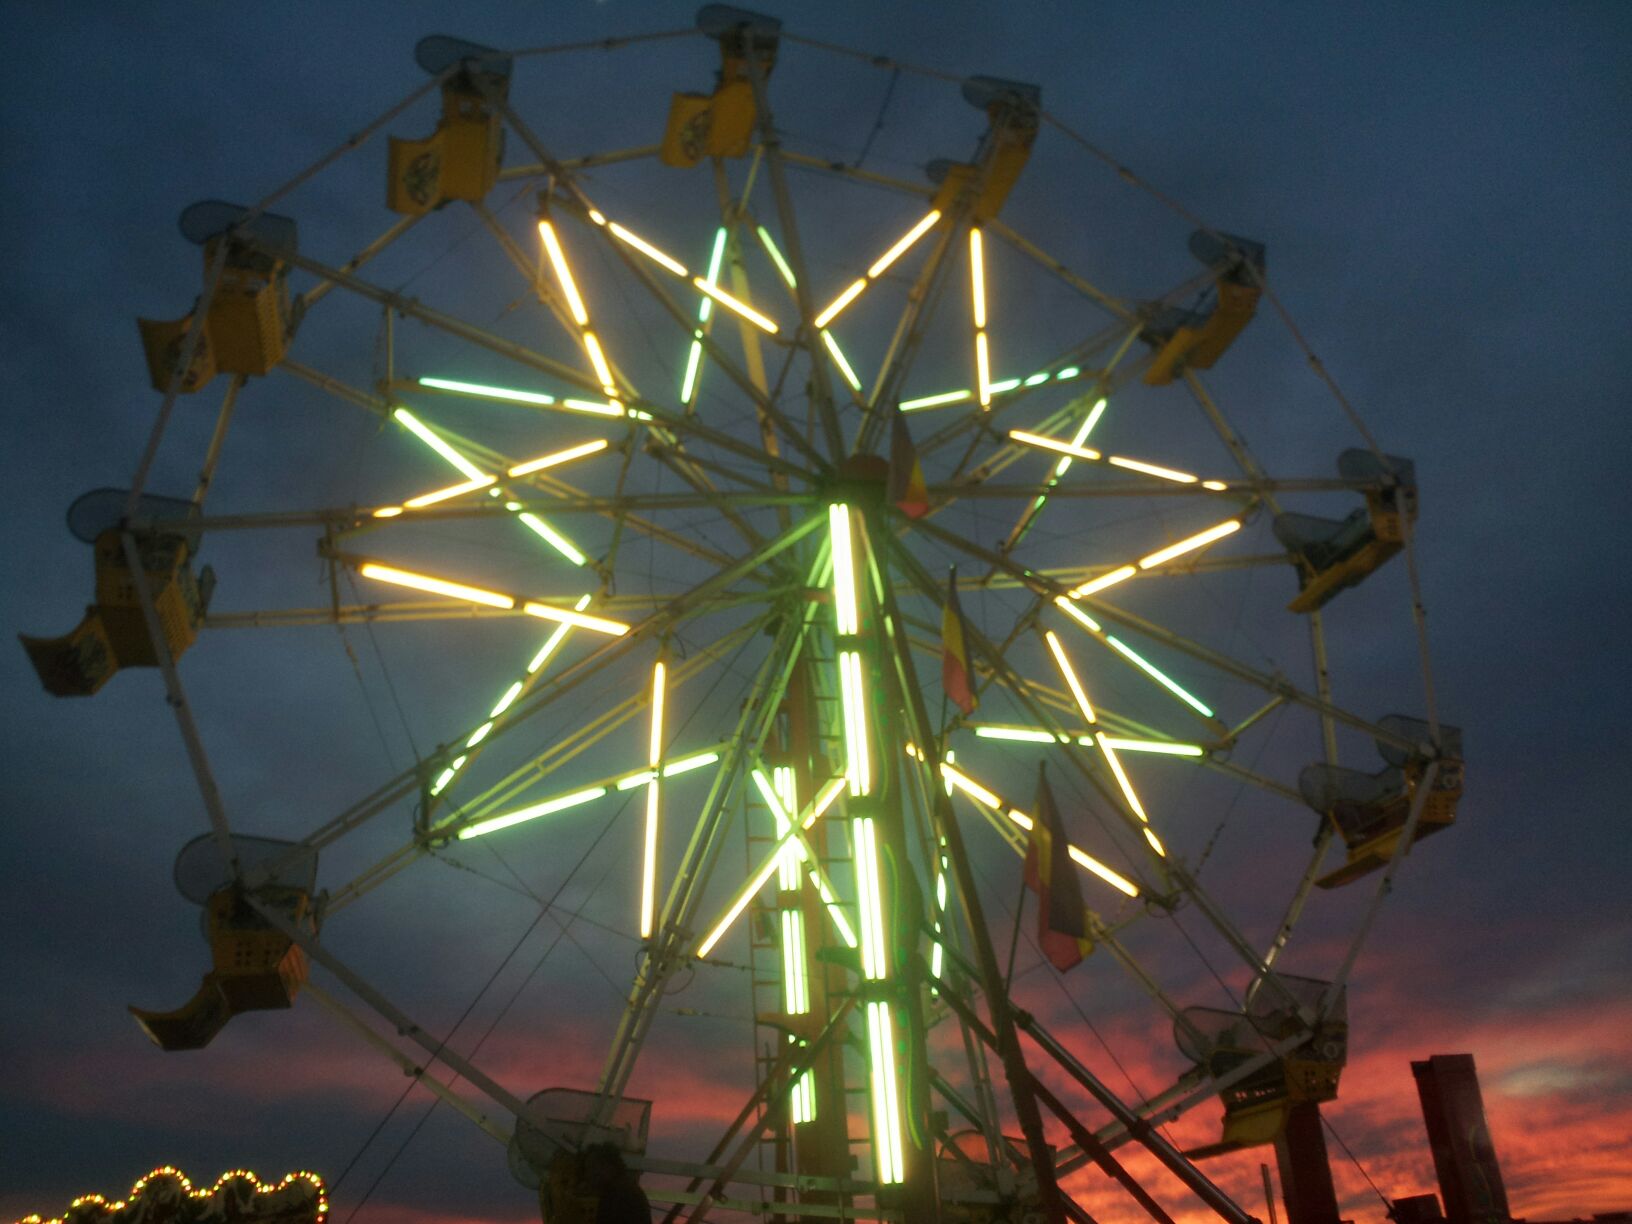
{"x":907,"y":490}
{"x":1062,"y":919}
{"x":957,"y":677}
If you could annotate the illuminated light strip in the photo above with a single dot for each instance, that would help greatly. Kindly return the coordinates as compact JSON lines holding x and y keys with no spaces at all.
{"x":1036,"y":379}
{"x":683,"y":765}
{"x":599,"y":409}
{"x":435,"y":586}
{"x":1159,"y":747}
{"x":563,"y":274}
{"x":550,"y":806}
{"x":1070,"y":674}
{"x":1201,"y":538}
{"x":775,"y":253}
{"x":1151,"y":469}
{"x":983,"y":371}
{"x":937,"y":950}
{"x":1076,"y":614}
{"x":870,"y":898}
{"x":1157,"y":675}
{"x":1217,"y":486}
{"x":886,"y":1103}
{"x":1004,"y":384}
{"x":784,"y":784}
{"x":552,"y":537}
{"x":694,"y":357}
{"x":556,"y":458}
{"x":597,"y":358}
{"x":186,"y":1184}
{"x":1025,"y":735}
{"x":736,"y":305}
{"x":977,"y":277}
{"x":1128,"y":793}
{"x":1081,"y":436}
{"x":824,"y":799}
{"x":441,"y":495}
{"x":839,"y":360}
{"x":936,"y":401}
{"x":1108,"y":579}
{"x":846,"y":615}
{"x":555,"y":639}
{"x":857,"y":766}
{"x":647,"y":249}
{"x":483,"y":391}
{"x":979,"y":793}
{"x":839,"y":303}
{"x":426,"y":435}
{"x":654,"y":753}
{"x":795,"y":984}
{"x":1053,"y":444}
{"x":903,"y":244}
{"x":578,"y":619}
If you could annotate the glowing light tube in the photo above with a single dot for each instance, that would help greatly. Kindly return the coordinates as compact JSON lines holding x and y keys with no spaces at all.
{"x":435,"y":586}
{"x":452,"y":491}
{"x":775,"y":253}
{"x":977,"y":277}
{"x":1156,"y":674}
{"x":563,"y":273}
{"x":846,"y":614}
{"x":857,"y":767}
{"x":839,"y":360}
{"x":597,"y":358}
{"x":1053,"y":444}
{"x":1200,"y":539}
{"x":428,"y":436}
{"x":552,"y":537}
{"x":580,"y":620}
{"x":839,"y":303}
{"x":736,"y":305}
{"x":1070,"y":674}
{"x":670,"y":769}
{"x":903,"y":244}
{"x":548,"y":807}
{"x":482,"y":391}
{"x":1077,"y":614}
{"x":1025,"y":735}
{"x":870,"y":898}
{"x":705,"y":307}
{"x":936,"y":401}
{"x":557,"y":458}
{"x":887,"y":1154}
{"x":1151,"y":469}
{"x":654,"y":753}
{"x":983,"y":370}
{"x":640,"y":244}
{"x":1083,"y":430}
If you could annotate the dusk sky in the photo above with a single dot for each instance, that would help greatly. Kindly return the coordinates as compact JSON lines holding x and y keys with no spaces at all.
{"x":1442,"y":191}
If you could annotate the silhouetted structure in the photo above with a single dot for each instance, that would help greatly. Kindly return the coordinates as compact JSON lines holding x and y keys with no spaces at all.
{"x":1470,"y":1179}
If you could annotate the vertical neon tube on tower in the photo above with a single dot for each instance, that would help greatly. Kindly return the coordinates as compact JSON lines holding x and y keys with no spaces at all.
{"x":977,"y":302}
{"x":654,"y":756}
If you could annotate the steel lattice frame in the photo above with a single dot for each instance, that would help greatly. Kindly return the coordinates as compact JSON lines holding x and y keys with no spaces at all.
{"x":802,"y":563}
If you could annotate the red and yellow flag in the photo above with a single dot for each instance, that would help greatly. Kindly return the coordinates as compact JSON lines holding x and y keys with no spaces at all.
{"x":957,"y":677}
{"x":907,"y":490}
{"x":1062,"y":919}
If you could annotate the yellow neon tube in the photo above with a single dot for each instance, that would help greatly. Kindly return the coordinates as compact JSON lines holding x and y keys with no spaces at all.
{"x":597,"y":358}
{"x":934,"y":401}
{"x":1151,"y":469}
{"x":556,"y":458}
{"x":1053,"y":444}
{"x":734,"y":304}
{"x":1027,"y":735}
{"x":845,"y":612}
{"x":902,"y":245}
{"x":839,"y":303}
{"x":1217,"y":486}
{"x":563,"y":274}
{"x":1070,"y":674}
{"x":549,"y":806}
{"x":1081,"y":436}
{"x":858,"y":767}
{"x":440,"y":495}
{"x":683,"y":765}
{"x":1077,"y":614}
{"x":647,"y":249}
{"x":983,"y":370}
{"x":977,"y":277}
{"x":886,"y":1104}
{"x":775,"y":253}
{"x":970,"y":787}
{"x":839,"y":360}
{"x":578,"y":619}
{"x":1159,"y":747}
{"x":1115,"y":763}
{"x":1201,"y":538}
{"x":552,"y":537}
{"x":436,"y":586}
{"x":1104,"y":580}
{"x":599,"y":409}
{"x":1089,"y":863}
{"x":869,"y":897}
{"x":795,"y":987}
{"x":555,"y":639}
{"x":654,"y":753}
{"x":426,"y":435}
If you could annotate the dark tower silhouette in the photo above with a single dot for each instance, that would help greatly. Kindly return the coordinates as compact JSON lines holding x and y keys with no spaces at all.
{"x":1470,"y":1179}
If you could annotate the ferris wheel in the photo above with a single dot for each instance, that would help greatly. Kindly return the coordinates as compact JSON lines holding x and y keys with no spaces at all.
{"x":813,"y":553}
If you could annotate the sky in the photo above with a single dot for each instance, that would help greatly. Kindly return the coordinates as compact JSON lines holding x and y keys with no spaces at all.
{"x":1441,"y":191}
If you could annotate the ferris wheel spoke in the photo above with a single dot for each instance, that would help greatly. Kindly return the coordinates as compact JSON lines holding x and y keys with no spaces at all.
{"x":1116,"y":306}
{"x":305,"y":300}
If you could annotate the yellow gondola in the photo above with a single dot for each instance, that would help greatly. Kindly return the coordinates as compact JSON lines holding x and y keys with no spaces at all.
{"x":1369,"y":811}
{"x":247,"y":328}
{"x":1256,"y":1108}
{"x":721,"y":123}
{"x":113,"y":632}
{"x":1012,"y":109}
{"x":1335,"y":554}
{"x":460,"y":160}
{"x":1198,"y":338}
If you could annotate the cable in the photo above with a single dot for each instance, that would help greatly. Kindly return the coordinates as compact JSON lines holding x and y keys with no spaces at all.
{"x":1388,"y":1207}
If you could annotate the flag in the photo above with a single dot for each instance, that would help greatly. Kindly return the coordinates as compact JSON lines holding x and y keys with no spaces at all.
{"x":956,"y":675}
{"x":1062,"y":919}
{"x":907,"y":490}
